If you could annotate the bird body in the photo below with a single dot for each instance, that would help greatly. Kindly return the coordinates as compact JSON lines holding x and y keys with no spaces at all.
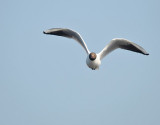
{"x":94,"y":59}
{"x":93,"y":64}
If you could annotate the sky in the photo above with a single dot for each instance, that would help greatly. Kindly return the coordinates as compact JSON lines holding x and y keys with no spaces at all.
{"x":44,"y":79}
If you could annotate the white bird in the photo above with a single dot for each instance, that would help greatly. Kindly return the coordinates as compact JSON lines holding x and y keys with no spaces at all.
{"x":93,"y":59}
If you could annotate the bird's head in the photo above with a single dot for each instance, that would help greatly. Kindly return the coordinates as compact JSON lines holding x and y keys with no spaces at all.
{"x":92,"y":56}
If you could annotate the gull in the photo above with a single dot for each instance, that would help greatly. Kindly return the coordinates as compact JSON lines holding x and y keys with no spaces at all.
{"x":94,"y":59}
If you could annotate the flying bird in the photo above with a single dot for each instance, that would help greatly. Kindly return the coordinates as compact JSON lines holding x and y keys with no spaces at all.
{"x":94,"y":59}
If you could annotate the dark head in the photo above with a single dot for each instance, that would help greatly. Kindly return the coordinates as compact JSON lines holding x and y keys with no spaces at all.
{"x":92,"y":56}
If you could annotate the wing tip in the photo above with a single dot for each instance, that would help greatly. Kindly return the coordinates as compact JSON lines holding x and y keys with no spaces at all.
{"x":47,"y":31}
{"x":146,"y":54}
{"x":44,"y":32}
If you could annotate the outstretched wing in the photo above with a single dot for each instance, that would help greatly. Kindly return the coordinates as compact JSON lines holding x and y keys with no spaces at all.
{"x":123,"y":44}
{"x":69,"y":34}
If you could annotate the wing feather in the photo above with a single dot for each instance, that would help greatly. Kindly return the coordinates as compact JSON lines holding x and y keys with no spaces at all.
{"x":123,"y":44}
{"x":69,"y":34}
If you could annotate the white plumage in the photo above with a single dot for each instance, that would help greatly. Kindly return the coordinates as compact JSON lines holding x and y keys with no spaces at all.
{"x":94,"y":60}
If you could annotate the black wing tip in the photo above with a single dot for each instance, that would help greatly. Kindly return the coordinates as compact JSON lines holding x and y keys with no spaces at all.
{"x":147,"y":54}
{"x":44,"y":32}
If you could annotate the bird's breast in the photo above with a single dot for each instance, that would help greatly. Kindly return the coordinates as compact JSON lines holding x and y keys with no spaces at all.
{"x":93,"y":64}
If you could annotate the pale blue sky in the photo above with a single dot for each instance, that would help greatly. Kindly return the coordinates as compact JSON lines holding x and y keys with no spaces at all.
{"x":45,"y":80}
